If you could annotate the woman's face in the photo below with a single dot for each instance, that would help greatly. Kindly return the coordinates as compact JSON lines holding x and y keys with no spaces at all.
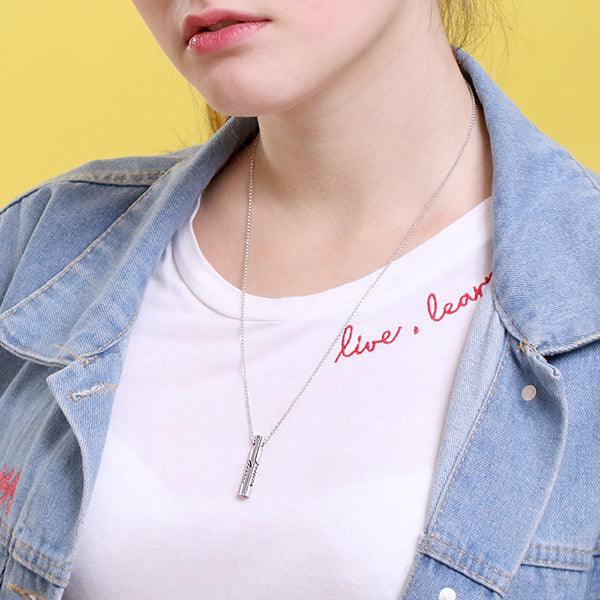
{"x":308,"y":48}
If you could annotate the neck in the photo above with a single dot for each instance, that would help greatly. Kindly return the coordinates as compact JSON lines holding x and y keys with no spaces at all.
{"x":382,"y":137}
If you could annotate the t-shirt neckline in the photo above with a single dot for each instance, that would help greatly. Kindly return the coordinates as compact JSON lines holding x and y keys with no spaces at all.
{"x":466,"y":233}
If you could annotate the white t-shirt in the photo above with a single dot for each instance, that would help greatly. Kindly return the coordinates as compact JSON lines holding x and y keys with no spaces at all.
{"x":341,"y":492}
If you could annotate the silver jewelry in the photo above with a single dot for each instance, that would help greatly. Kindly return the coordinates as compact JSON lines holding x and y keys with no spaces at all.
{"x":258,"y":442}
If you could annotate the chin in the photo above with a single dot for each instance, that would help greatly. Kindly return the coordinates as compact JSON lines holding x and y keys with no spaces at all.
{"x":246,"y":105}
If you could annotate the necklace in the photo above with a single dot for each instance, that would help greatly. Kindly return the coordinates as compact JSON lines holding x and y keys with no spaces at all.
{"x":258,"y":442}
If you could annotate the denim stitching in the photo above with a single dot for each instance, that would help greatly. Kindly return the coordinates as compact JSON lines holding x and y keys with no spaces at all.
{"x":461,"y":568}
{"x":22,"y":353}
{"x":87,"y":358}
{"x":470,"y":437}
{"x":65,"y":177}
{"x":123,"y":173}
{"x":573,"y":549}
{"x":38,"y":571}
{"x":573,"y":344}
{"x":44,"y":557}
{"x":18,"y":542}
{"x":111,"y":178}
{"x":84,"y":360}
{"x":462,"y":551}
{"x":121,"y":333}
{"x":544,"y":350}
{"x":540,"y":562}
{"x":533,"y":560}
{"x":585,"y":172}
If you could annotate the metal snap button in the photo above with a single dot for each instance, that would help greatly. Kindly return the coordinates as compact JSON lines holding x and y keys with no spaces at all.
{"x":529,"y":392}
{"x":447,"y":594}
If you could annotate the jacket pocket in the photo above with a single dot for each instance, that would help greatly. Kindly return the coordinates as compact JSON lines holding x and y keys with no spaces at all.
{"x":555,"y":573}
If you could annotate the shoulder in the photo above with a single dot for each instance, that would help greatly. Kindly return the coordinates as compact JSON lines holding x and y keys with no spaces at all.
{"x":79,"y":186}
{"x":59,"y":216}
{"x":135,"y":171}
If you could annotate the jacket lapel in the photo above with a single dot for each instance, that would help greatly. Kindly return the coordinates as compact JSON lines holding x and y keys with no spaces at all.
{"x":546,"y":227}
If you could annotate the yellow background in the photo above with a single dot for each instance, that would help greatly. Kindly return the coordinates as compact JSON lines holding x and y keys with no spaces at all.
{"x":81,"y":80}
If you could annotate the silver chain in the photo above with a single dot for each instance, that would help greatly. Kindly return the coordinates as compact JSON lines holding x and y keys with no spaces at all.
{"x":393,"y":257}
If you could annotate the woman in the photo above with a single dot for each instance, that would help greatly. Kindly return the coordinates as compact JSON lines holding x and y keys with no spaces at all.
{"x":419,"y":289}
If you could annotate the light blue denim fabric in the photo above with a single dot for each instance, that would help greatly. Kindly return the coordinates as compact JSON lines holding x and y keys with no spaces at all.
{"x":514,"y":510}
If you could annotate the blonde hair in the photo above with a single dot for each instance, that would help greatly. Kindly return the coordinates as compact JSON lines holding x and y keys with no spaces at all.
{"x":466,"y":22}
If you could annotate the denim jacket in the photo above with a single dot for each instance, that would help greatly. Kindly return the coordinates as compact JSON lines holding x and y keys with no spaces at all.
{"x":514,"y":508}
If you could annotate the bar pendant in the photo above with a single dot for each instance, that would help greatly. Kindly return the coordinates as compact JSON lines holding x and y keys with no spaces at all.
{"x":251,"y":466}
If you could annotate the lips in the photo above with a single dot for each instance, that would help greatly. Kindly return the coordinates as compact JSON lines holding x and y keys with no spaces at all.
{"x":220,"y":25}
{"x":194,"y":24}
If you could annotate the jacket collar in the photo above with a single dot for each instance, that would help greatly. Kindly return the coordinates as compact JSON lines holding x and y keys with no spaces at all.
{"x":545,"y":258}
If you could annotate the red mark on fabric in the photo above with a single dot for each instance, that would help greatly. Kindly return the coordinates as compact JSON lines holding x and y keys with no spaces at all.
{"x":8,"y":486}
{"x":449,"y":308}
{"x":368,"y":346}
{"x":351,"y":347}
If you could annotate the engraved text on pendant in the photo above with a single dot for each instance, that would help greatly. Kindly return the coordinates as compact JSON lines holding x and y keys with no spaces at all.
{"x":251,"y":467}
